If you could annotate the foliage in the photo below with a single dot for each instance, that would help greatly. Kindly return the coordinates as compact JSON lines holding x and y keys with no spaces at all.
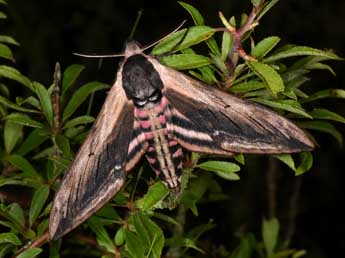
{"x":42,"y":129}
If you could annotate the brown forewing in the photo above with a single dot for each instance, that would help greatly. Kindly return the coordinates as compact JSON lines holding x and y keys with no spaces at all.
{"x":234,"y":124}
{"x":98,"y":170}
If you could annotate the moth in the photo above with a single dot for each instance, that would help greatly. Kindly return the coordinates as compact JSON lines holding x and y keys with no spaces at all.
{"x":156,"y":111}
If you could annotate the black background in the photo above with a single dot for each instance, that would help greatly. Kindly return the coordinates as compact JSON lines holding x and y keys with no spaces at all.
{"x":51,"y":31}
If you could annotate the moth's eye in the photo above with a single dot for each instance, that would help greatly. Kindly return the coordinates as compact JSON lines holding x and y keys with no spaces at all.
{"x":155,"y":96}
{"x":139,"y":102}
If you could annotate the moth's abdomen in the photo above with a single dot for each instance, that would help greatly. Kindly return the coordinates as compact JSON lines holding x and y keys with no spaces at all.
{"x":164,"y":154}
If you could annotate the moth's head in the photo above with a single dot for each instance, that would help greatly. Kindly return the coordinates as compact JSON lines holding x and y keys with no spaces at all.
{"x":141,"y":81}
{"x":132,"y":47}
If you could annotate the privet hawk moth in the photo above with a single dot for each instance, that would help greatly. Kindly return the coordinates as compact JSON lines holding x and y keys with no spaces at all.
{"x":156,"y":111}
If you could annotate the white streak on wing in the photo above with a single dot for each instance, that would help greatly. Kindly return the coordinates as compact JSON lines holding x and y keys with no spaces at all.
{"x":192,"y":134}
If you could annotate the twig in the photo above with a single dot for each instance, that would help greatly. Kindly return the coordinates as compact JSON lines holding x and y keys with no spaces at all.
{"x":292,"y":210}
{"x":56,"y":99}
{"x":271,"y":187}
{"x":38,"y":242}
{"x":178,"y":231}
{"x":238,"y":35}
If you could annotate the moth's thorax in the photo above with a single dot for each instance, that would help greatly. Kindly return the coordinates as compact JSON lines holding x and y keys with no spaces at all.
{"x":141,"y":81}
{"x":164,"y":153}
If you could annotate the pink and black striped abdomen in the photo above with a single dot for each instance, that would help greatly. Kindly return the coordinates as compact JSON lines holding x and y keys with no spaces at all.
{"x":163,"y":152}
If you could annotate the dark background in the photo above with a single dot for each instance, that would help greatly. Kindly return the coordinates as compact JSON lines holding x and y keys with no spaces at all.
{"x":51,"y":31}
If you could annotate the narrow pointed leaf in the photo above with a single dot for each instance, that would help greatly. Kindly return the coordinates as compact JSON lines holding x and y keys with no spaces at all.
{"x":270,"y":231}
{"x":323,"y":127}
{"x":79,"y":97}
{"x":8,"y":40}
{"x":30,"y":253}
{"x":23,"y":119}
{"x":264,"y":47}
{"x":287,"y":159}
{"x":102,"y":236}
{"x":223,"y":169}
{"x":9,"y":238}
{"x":32,"y":141}
{"x":306,"y":163}
{"x":80,"y":120}
{"x":14,"y":74}
{"x":197,"y":17}
{"x":70,"y":75}
{"x":14,"y":106}
{"x":6,"y":52}
{"x":24,"y":165}
{"x":155,"y":194}
{"x":38,"y":200}
{"x":321,"y":113}
{"x":301,"y":51}
{"x":185,"y":61}
{"x":183,"y":39}
{"x":329,"y":93}
{"x":12,"y":134}
{"x":268,"y":75}
{"x":45,"y":101}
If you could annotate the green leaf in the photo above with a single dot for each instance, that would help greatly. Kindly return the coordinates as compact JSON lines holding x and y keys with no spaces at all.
{"x":80,"y":120}
{"x":320,"y":66}
{"x":45,"y":101}
{"x":9,"y":238}
{"x":185,"y":61}
{"x":14,"y":106}
{"x":3,"y":2}
{"x":267,"y":6}
{"x":288,"y":105}
{"x":43,"y":226}
{"x":323,"y":127}
{"x":8,"y":39}
{"x":268,"y":75}
{"x":301,"y":51}
{"x":306,"y":163}
{"x":270,"y":232}
{"x":156,"y":193}
{"x":120,"y":236}
{"x":12,"y":134}
{"x":22,"y":119}
{"x":134,"y":245}
{"x":63,"y":143}
{"x":14,"y":74}
{"x":16,"y":214}
{"x":264,"y":47}
{"x":255,"y":2}
{"x":70,"y":75}
{"x":227,"y":44}
{"x":197,"y":17}
{"x":30,"y":253}
{"x":322,"y":113}
{"x":247,"y":86}
{"x":191,"y":244}
{"x":223,"y":169}
{"x":2,"y":15}
{"x":329,"y":93}
{"x":183,"y":39}
{"x":38,"y":200}
{"x":287,"y":159}
{"x":24,"y":165}
{"x":102,"y":236}
{"x":5,"y":52}
{"x":80,"y":95}
{"x":32,"y":141}
{"x":150,"y":234}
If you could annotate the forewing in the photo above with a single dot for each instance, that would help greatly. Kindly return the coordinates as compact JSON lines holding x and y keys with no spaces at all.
{"x":232,"y":124}
{"x":98,"y":171}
